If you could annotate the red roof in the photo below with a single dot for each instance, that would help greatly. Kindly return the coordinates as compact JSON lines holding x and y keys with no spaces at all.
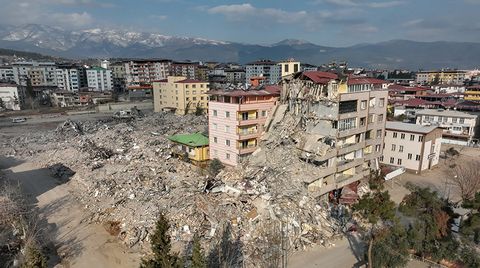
{"x":404,"y":88}
{"x":274,"y":89}
{"x":190,"y":81}
{"x":364,"y":80}
{"x":320,"y":77}
{"x":411,"y":102}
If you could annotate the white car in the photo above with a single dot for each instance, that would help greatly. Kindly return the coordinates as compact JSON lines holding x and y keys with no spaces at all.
{"x":19,"y":119}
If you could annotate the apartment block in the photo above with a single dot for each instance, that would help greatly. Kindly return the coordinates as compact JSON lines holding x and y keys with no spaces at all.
{"x":39,"y":73}
{"x":99,"y":79}
{"x":6,"y":74}
{"x":342,"y":129}
{"x":190,"y":70}
{"x":236,"y":121}
{"x":472,"y":93}
{"x":414,"y":147}
{"x":235,"y":76}
{"x":144,"y":72}
{"x":270,"y":70}
{"x":179,"y":94}
{"x":458,"y":127}
{"x":119,"y":76}
{"x":454,"y":77}
{"x":289,"y":66}
{"x":68,"y":77}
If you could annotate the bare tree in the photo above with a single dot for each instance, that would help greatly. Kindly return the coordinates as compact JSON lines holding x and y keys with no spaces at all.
{"x":466,"y":176}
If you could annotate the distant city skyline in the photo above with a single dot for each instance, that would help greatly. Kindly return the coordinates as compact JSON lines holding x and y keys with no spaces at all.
{"x":324,"y":22}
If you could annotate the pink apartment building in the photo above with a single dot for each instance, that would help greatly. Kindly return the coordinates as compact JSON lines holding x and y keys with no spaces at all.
{"x":236,"y":121}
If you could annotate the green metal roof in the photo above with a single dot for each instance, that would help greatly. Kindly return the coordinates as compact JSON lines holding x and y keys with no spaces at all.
{"x":194,"y":140}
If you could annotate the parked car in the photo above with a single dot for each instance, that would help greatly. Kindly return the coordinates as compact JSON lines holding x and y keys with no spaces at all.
{"x":19,"y":119}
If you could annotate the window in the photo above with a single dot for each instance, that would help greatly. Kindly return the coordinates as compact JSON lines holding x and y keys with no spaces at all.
{"x":194,"y":92}
{"x":214,"y":112}
{"x":186,"y":86}
{"x":346,"y":124}
{"x":399,"y":161}
{"x":461,"y":120}
{"x":286,"y":68}
{"x":395,"y":134}
{"x":227,"y":114}
{"x":402,"y":136}
{"x":400,"y":149}
{"x":417,"y":157}
{"x":187,"y":98}
{"x":394,"y":147}
{"x":295,"y":68}
{"x":420,"y":138}
{"x":215,"y":139}
{"x":201,"y":98}
{"x":380,"y":117}
{"x":445,"y":119}
{"x":372,"y":102}
{"x":409,"y":156}
{"x":347,"y":107}
{"x":227,"y":142}
{"x":215,"y":126}
{"x":454,"y":120}
{"x":381,"y":158}
{"x":363,"y":104}
{"x":201,"y":85}
{"x":194,"y":86}
{"x":227,"y":129}
{"x":379,"y":133}
{"x":264,"y":113}
{"x":187,"y":92}
{"x":381,"y":102}
{"x":363,"y":121}
{"x":377,"y":148}
{"x":412,"y":137}
{"x":194,"y":98}
{"x":392,"y":160}
{"x":227,"y":156}
{"x":371,"y":118}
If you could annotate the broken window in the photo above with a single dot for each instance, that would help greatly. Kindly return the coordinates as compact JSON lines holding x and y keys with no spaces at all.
{"x":363,"y":120}
{"x":348,"y":107}
{"x":348,"y":123}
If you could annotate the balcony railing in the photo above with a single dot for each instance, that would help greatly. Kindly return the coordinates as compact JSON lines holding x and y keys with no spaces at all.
{"x":247,"y":149}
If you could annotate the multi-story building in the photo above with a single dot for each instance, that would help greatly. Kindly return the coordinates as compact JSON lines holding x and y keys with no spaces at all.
{"x":144,"y":72}
{"x":64,"y":99}
{"x":458,"y":127}
{"x":472,"y":93}
{"x":185,"y":69}
{"x":202,"y":72}
{"x":6,"y":74}
{"x":289,"y":66}
{"x":119,"y":76}
{"x":39,"y":73}
{"x":414,"y":147}
{"x":236,"y":121}
{"x":264,"y":68}
{"x":12,"y":96}
{"x":343,"y":126}
{"x":180,"y":94}
{"x":235,"y":76}
{"x":99,"y":79}
{"x":454,"y":77}
{"x":68,"y":77}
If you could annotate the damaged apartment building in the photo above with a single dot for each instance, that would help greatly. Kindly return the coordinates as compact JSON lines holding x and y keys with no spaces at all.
{"x":337,"y":123}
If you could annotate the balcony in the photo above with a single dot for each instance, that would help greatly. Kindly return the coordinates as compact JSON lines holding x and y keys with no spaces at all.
{"x":350,"y":147}
{"x":251,"y":121}
{"x":245,"y":135}
{"x":349,"y":163}
{"x":342,"y":180}
{"x":247,"y":149}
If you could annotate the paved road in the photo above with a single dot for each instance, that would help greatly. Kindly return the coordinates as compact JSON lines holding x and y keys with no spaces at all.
{"x":79,"y":243}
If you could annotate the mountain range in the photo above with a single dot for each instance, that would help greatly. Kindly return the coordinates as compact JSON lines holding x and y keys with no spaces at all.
{"x":105,"y":43}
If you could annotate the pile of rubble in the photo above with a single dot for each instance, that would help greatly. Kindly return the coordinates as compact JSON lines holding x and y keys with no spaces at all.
{"x":124,"y":173}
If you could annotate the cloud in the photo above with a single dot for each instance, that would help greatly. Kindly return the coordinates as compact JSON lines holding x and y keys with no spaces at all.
{"x":360,"y":3}
{"x":77,"y":19}
{"x":158,"y":17}
{"x":245,"y":11}
{"x":87,"y":3}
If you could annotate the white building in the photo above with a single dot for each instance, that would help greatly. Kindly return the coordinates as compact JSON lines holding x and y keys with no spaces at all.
{"x":12,"y":96}
{"x":265,"y":68}
{"x":289,"y":66}
{"x":99,"y":79}
{"x":39,"y":73}
{"x":411,"y":146}
{"x":68,"y":78}
{"x":6,"y":74}
{"x":458,"y":127}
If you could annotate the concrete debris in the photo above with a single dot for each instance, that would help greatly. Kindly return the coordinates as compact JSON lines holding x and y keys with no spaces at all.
{"x":124,"y":172}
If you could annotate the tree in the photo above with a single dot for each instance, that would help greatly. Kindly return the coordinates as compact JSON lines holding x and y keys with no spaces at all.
{"x":215,"y":167}
{"x":377,"y":209}
{"x":390,"y":247}
{"x":34,"y":258}
{"x":161,"y":246}
{"x":198,"y":256}
{"x":466,"y":176}
{"x":227,"y":252}
{"x":471,"y":227}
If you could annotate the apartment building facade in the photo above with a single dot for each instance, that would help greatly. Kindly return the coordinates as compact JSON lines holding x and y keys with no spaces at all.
{"x":190,"y":70}
{"x":345,"y":139}
{"x":454,"y":77}
{"x":99,"y":79}
{"x":458,"y":127}
{"x":236,"y":121}
{"x":68,"y":77}
{"x":180,"y":94}
{"x":235,"y":76}
{"x":472,"y":93}
{"x":144,"y":72}
{"x":414,"y":147}
{"x":6,"y":74}
{"x":39,"y":73}
{"x":270,"y":70}
{"x":119,"y":76}
{"x":289,"y":66}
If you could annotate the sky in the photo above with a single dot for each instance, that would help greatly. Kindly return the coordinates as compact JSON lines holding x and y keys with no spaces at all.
{"x":323,"y":22}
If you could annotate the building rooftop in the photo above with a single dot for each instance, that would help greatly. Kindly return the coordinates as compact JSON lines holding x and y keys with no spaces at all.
{"x":191,"y":81}
{"x":262,"y":62}
{"x":320,"y":77}
{"x":194,"y":140}
{"x":440,"y":112}
{"x":364,"y":80}
{"x":263,"y":90}
{"x":407,"y":127}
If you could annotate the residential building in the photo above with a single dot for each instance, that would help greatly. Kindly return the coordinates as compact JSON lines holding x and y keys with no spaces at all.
{"x":399,"y":92}
{"x":236,"y":121}
{"x":144,"y":72}
{"x":458,"y":127}
{"x":344,"y":138}
{"x":235,"y":76}
{"x":99,"y":79}
{"x":265,"y":68}
{"x":472,"y":93}
{"x":202,"y":72}
{"x":180,"y":94}
{"x":6,"y":74}
{"x":191,"y":146}
{"x":414,"y":147}
{"x":12,"y":96}
{"x":289,"y":66}
{"x":65,"y":99}
{"x":454,"y":77}
{"x":305,"y":67}
{"x":119,"y":76}
{"x":68,"y":77}
{"x":39,"y":73}
{"x":185,"y":69}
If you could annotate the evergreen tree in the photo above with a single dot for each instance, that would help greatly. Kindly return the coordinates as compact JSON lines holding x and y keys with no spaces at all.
{"x":198,"y":256}
{"x":161,"y":246}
